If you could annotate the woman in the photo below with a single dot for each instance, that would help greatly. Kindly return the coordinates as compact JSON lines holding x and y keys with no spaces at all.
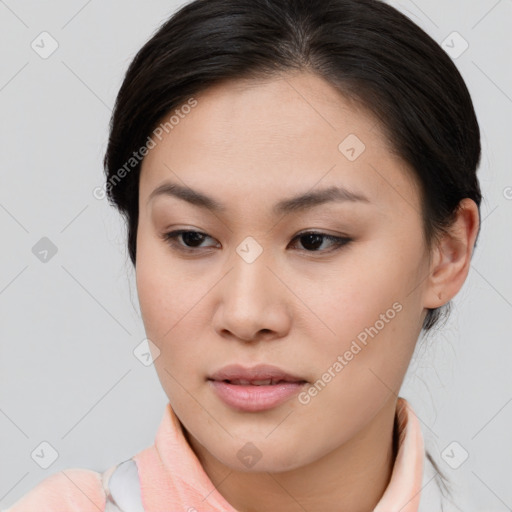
{"x":299,"y":184}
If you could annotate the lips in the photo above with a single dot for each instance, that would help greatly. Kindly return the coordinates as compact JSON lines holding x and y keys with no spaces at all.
{"x":260,"y":375}
{"x":255,"y":389}
{"x":265,"y":382}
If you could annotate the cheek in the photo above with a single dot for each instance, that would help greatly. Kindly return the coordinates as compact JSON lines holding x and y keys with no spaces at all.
{"x":160,"y":287}
{"x":161,"y":292}
{"x":170,"y":304}
{"x":354,"y":297}
{"x":164,"y":314}
{"x":155,"y":300}
{"x":369,"y":310}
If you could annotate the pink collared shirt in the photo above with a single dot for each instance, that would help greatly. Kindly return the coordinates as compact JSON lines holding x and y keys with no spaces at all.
{"x":171,"y":478}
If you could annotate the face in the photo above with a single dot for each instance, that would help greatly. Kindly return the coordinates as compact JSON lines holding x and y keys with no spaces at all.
{"x":327,"y":290}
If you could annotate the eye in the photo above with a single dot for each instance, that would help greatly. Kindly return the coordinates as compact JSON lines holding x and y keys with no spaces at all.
{"x":311,"y":240}
{"x":194,"y":238}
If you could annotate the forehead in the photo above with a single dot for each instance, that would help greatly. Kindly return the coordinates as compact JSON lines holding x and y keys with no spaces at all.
{"x":266,"y":138}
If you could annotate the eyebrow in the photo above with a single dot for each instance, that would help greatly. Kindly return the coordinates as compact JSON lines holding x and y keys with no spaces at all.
{"x":297,"y":203}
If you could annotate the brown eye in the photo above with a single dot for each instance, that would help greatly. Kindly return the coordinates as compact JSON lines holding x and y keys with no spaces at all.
{"x":312,"y":241}
{"x":187,"y":241}
{"x":190,"y":239}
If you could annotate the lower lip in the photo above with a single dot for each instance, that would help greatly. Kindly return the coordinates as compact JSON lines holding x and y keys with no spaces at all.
{"x":255,"y":398}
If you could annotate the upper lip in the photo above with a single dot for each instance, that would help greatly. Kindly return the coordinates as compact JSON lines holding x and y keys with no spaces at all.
{"x":255,"y":373}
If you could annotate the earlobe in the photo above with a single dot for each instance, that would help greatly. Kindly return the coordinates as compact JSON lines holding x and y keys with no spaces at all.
{"x":452,"y":256}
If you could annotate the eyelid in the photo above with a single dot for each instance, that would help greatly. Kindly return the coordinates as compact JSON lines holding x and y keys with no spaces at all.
{"x":170,"y":237}
{"x":339,"y":241}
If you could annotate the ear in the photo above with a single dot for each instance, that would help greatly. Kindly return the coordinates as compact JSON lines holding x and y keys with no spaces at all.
{"x":451,"y":257}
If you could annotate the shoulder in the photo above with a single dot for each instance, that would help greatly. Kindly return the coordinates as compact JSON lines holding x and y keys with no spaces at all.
{"x":69,"y":490}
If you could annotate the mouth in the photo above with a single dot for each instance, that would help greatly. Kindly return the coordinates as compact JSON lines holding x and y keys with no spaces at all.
{"x":260,"y":382}
{"x":254,"y":389}
{"x":260,"y":375}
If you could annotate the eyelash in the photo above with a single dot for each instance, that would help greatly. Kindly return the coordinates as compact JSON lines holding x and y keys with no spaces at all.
{"x":171,"y":237}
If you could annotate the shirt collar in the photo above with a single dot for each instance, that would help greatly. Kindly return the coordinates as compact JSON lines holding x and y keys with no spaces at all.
{"x":404,"y":488}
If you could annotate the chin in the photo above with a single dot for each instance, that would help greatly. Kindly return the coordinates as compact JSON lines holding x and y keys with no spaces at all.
{"x":255,"y":458}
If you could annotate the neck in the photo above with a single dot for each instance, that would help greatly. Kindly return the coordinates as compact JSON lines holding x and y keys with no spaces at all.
{"x":353,"y":477}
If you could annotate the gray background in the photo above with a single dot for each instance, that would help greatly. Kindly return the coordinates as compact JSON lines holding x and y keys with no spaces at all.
{"x":68,"y":326}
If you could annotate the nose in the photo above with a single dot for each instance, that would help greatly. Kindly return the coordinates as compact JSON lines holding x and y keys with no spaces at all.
{"x":253,"y":303}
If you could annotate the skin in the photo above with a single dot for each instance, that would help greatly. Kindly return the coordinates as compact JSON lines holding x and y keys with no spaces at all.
{"x":250,"y":144}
